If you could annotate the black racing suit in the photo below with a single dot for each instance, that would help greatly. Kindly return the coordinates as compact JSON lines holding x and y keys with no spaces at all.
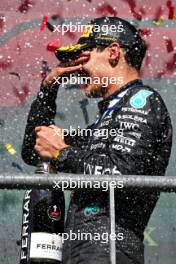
{"x":140,"y":146}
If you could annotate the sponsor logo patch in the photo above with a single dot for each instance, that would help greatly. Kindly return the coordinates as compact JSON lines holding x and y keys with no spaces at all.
{"x":121,"y":148}
{"x":139,"y":99}
{"x":133,"y":117}
{"x":54,"y":212}
{"x":133,"y":110}
{"x":125,"y":140}
{"x":88,"y":211}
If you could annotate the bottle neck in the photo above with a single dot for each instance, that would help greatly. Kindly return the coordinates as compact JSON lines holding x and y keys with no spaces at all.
{"x":44,"y":167}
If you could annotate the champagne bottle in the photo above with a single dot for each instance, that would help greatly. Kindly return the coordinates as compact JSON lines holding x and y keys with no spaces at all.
{"x":42,"y":224}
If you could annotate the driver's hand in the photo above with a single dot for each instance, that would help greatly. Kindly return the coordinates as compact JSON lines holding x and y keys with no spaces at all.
{"x":63,"y":68}
{"x":49,"y":141}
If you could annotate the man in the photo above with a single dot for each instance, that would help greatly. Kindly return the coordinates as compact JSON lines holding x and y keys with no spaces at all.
{"x":141,"y":145}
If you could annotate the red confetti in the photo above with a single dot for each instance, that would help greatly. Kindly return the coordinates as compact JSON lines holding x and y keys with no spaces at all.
{"x":171,"y":65}
{"x":25,"y":6}
{"x":144,"y":32}
{"x":171,"y":13}
{"x":158,"y":13}
{"x":43,"y":23}
{"x":132,"y":5}
{"x":56,"y":16}
{"x":53,"y":45}
{"x":5,"y":65}
{"x":2,"y":19}
{"x":169,"y":45}
{"x":169,"y":3}
{"x":106,"y":9}
{"x":171,"y":9}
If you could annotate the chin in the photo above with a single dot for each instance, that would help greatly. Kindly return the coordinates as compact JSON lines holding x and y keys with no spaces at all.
{"x":93,"y":92}
{"x":93,"y":95}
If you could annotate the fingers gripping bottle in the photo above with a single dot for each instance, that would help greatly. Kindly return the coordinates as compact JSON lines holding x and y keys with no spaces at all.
{"x":42,"y":224}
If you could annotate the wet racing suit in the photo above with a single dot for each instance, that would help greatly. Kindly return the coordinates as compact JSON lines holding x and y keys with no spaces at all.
{"x":139,"y":144}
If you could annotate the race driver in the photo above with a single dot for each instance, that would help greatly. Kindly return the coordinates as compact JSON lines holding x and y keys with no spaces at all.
{"x":140,"y":146}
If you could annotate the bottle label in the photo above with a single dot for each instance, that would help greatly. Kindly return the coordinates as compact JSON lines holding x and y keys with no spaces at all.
{"x":25,"y":227}
{"x":46,"y":246}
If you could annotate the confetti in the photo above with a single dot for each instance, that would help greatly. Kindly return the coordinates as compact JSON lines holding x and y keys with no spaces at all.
{"x":132,"y":6}
{"x":5,"y":64}
{"x":50,"y":26}
{"x":144,"y":32}
{"x":169,"y":45}
{"x":16,"y":165}
{"x":171,"y":13}
{"x":25,"y":6}
{"x":10,"y":149}
{"x":171,"y":65}
{"x":158,"y":14}
{"x":2,"y":20}
{"x":56,"y":16}
{"x":171,"y":10}
{"x":16,"y":74}
{"x":159,"y":21}
{"x":43,"y":23}
{"x":53,"y":45}
{"x":106,"y":9}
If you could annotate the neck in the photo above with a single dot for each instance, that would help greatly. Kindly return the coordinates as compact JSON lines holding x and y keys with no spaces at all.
{"x":126,"y":77}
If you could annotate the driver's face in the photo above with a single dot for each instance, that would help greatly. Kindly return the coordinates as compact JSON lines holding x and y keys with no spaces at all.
{"x":96,"y":68}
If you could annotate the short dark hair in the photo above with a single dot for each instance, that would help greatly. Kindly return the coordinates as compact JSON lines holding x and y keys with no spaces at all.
{"x":134,"y":56}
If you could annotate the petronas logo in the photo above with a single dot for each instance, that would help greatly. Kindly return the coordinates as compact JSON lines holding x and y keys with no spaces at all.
{"x":139,"y":100}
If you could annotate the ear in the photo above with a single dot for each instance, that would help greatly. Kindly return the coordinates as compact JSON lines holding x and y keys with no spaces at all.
{"x":114,"y":53}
